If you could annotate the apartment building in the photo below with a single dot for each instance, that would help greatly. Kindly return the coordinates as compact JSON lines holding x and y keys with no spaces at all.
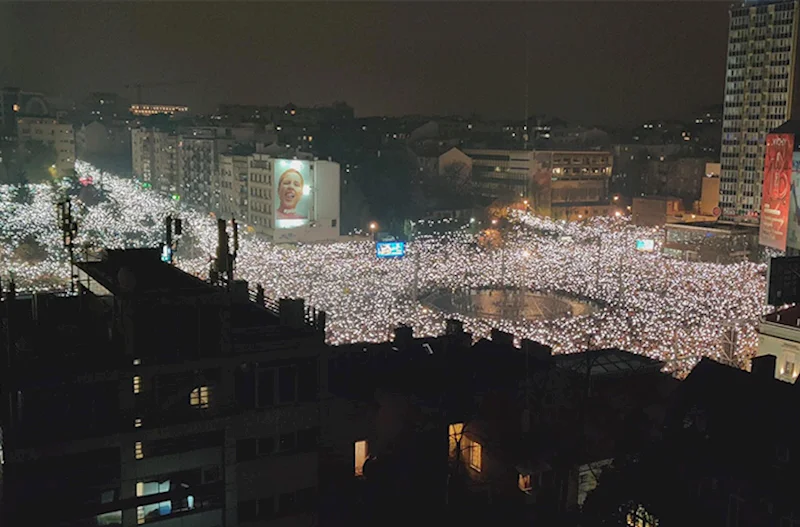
{"x":760,"y":93}
{"x":569,"y":185}
{"x":59,"y":136}
{"x":155,"y":397}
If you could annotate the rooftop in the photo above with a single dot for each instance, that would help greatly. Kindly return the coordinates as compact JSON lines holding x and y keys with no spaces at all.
{"x":789,"y":316}
{"x":141,"y":271}
{"x":611,"y":361}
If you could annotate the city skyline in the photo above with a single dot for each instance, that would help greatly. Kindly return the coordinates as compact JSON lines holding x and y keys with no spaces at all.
{"x":445,"y":59}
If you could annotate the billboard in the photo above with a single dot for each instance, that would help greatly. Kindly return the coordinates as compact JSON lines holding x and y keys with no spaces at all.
{"x":775,"y":192}
{"x":390,"y":249}
{"x":294,"y":196}
{"x":647,"y":246}
{"x":793,"y":230}
{"x":783,"y":281}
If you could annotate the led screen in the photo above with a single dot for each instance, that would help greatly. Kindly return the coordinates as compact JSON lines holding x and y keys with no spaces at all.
{"x":293,"y":193}
{"x":645,"y":245}
{"x":390,"y":249}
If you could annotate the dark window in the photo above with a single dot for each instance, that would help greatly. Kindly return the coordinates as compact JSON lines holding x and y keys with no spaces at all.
{"x":287,"y":503}
{"x":178,"y":445}
{"x":245,"y":450}
{"x":287,"y":384}
{"x":266,"y":445}
{"x":307,"y":381}
{"x":287,"y":442}
{"x":248,"y":511}
{"x":266,"y":508}
{"x":307,"y":439}
{"x":306,"y":500}
{"x":266,"y":388}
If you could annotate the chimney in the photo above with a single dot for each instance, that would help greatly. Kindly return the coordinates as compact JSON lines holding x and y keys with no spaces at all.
{"x":403,"y":336}
{"x":501,"y":337}
{"x":537,"y":350}
{"x":292,"y":312}
{"x":453,"y":327}
{"x":763,"y":366}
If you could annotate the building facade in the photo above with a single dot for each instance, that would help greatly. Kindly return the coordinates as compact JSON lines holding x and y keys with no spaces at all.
{"x":144,"y":110}
{"x":154,"y":156}
{"x":561,"y":184}
{"x":760,"y":91}
{"x":180,"y":403}
{"x":681,"y":177}
{"x":59,"y":136}
{"x":286,"y":200}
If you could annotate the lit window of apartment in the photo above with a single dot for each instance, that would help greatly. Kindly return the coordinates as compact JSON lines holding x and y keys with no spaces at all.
{"x":137,"y":384}
{"x":361,"y":449}
{"x":139,"y":451}
{"x":524,"y":482}
{"x":199,"y":397}
{"x":639,"y":517}
{"x":137,"y":423}
{"x":455,"y":431}
{"x":475,"y":456}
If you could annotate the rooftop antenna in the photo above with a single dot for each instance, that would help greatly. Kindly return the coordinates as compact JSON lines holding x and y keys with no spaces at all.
{"x":69,"y":230}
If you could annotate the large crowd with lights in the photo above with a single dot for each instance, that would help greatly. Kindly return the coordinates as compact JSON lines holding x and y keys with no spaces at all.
{"x":670,"y":310}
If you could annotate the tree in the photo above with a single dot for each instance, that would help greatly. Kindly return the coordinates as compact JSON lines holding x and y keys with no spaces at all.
{"x":39,"y":158}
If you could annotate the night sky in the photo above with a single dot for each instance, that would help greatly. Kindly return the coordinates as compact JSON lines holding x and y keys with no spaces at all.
{"x":595,"y":63}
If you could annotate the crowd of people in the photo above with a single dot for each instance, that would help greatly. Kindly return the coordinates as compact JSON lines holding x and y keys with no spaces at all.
{"x":669,"y":310}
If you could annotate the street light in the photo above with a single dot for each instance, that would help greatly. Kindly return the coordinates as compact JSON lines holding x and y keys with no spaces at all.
{"x":373,"y":226}
{"x":494,"y":221}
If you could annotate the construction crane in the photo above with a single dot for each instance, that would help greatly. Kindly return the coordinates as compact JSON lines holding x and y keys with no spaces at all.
{"x":140,"y":85}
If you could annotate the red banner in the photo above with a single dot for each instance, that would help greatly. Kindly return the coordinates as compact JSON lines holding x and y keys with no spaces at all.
{"x":775,"y":193}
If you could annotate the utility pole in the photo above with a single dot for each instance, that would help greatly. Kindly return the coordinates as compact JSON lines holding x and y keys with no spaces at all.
{"x":69,"y":230}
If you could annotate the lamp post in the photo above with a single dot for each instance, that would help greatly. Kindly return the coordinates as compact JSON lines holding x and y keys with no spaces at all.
{"x":373,"y":228}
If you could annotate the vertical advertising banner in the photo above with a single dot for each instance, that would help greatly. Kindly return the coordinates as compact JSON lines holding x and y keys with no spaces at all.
{"x":775,"y":192}
{"x":294,"y":199}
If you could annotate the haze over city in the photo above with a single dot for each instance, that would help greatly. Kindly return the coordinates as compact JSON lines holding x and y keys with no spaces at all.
{"x":600,"y":62}
{"x":269,"y":264}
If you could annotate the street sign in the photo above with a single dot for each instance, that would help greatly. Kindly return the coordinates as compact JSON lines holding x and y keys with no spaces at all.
{"x":783,"y":281}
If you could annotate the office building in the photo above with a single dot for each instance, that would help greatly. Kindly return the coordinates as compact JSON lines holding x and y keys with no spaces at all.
{"x":570,"y":185}
{"x":706,"y":241}
{"x":16,"y":103}
{"x":286,"y":200}
{"x":144,"y":110}
{"x":153,"y":396}
{"x":59,"y":136}
{"x":154,"y":156}
{"x":760,"y":92}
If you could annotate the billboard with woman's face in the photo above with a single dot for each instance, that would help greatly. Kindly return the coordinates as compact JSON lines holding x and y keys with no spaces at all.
{"x":293,"y":193}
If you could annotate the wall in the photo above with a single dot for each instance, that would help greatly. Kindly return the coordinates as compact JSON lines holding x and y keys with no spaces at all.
{"x":787,"y":351}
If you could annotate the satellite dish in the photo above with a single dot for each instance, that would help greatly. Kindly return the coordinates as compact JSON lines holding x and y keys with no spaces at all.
{"x":126,"y":279}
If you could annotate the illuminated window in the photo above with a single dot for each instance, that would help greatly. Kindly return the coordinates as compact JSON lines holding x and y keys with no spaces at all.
{"x":639,"y":517}
{"x":137,"y":423}
{"x":524,"y":482}
{"x":137,"y":384}
{"x":137,"y":362}
{"x":138,"y":450}
{"x":475,"y":455}
{"x":360,"y":457}
{"x":199,"y":397}
{"x":455,"y":431}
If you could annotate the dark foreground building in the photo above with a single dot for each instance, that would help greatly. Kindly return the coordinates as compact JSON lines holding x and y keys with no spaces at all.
{"x":152,"y":396}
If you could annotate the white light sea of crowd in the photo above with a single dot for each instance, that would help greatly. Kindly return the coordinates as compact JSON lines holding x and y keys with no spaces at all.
{"x":666,"y":309}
